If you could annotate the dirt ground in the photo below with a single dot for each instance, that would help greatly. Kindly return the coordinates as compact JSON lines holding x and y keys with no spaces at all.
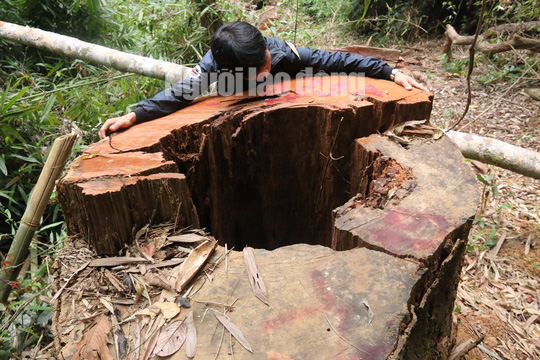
{"x":499,"y":294}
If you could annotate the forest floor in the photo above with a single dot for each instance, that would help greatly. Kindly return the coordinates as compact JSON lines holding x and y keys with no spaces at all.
{"x":499,"y":293}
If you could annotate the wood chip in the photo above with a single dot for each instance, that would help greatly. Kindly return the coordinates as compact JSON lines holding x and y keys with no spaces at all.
{"x":194,"y":262}
{"x":493,"y":253}
{"x":191,"y":336}
{"x":255,"y":278}
{"x":115,"y":261}
{"x":166,"y":263}
{"x":123,"y":301}
{"x":233,"y":329}
{"x":171,"y":339}
{"x":528,"y":244}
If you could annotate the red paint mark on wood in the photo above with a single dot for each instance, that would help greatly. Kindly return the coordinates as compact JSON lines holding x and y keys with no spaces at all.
{"x":413,"y":228}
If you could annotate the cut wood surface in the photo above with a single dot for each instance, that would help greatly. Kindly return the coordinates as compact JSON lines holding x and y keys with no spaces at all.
{"x":108,"y":210}
{"x":435,"y":199}
{"x":297,"y":168}
{"x":214,"y":135}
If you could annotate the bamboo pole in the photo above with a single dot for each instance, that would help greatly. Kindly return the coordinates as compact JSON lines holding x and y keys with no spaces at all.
{"x":39,"y":199}
{"x":96,"y":54}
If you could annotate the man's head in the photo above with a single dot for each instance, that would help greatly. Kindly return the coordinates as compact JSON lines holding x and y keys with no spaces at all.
{"x":240,"y":45}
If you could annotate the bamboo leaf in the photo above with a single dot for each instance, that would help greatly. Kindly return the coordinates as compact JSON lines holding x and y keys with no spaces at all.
{"x":14,"y":99}
{"x":24,"y":158}
{"x":233,"y":329}
{"x":191,"y":336}
{"x":3,"y":167}
{"x":48,"y":108}
{"x":171,"y":339}
{"x":255,"y":278}
{"x":151,"y":346}
{"x":49,"y":226}
{"x":194,"y":262}
{"x":366,"y":7}
{"x":3,"y":194}
{"x":6,"y":129}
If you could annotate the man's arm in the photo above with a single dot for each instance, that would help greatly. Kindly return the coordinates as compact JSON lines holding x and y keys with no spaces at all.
{"x":337,"y":61}
{"x":167,"y":101}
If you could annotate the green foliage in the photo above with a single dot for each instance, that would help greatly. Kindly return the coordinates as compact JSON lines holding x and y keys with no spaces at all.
{"x":395,"y":22}
{"x":86,"y":19}
{"x":459,"y":67}
{"x":167,"y":30}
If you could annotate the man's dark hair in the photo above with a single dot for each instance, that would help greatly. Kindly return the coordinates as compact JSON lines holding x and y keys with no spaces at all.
{"x":239,"y":45}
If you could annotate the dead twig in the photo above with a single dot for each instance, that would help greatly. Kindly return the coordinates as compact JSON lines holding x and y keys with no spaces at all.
{"x":227,"y":307}
{"x":462,"y":349}
{"x":471,"y":65}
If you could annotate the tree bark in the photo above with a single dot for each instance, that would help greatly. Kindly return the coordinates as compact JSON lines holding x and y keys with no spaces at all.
{"x":96,"y":54}
{"x":517,"y":42}
{"x":229,"y":150}
{"x":498,"y":153}
{"x":290,"y":173}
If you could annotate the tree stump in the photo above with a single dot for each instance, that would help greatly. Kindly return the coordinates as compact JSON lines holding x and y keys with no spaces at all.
{"x":286,"y":175}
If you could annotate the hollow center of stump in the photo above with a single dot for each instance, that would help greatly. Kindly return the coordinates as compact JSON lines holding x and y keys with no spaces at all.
{"x":272,"y":179}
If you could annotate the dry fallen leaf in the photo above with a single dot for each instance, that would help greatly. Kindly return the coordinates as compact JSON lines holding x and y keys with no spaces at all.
{"x":233,"y":329}
{"x":187,"y":238}
{"x":171,"y":339}
{"x":167,"y":309}
{"x":149,"y":249}
{"x":157,"y":280}
{"x":255,"y":278}
{"x":93,"y":345}
{"x":191,"y":336}
{"x":194,"y":262}
{"x":151,"y":346}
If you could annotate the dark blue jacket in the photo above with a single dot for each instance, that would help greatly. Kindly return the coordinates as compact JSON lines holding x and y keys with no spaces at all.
{"x":283,"y":59}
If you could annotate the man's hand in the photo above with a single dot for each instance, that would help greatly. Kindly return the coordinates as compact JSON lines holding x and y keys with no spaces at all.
{"x":408,"y":82}
{"x":122,"y":122}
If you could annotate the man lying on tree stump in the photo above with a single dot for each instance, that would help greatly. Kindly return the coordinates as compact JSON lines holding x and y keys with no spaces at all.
{"x":240,"y":48}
